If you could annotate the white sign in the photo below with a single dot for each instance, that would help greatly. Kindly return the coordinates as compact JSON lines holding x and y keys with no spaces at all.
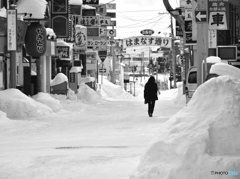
{"x":212,"y":38}
{"x":102,"y":31}
{"x":11,"y":29}
{"x":147,"y":40}
{"x":97,"y":43}
{"x":218,"y":21}
{"x":188,"y":14}
{"x":111,"y":32}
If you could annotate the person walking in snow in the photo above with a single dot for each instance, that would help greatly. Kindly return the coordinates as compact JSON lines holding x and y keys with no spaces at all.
{"x":150,"y":94}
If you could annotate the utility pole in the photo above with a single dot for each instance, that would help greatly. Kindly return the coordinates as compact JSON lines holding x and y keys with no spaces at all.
{"x":173,"y":56}
{"x":13,"y":68}
{"x":202,"y":42}
{"x":113,"y":75}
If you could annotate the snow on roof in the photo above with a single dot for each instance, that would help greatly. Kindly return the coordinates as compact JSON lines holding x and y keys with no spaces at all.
{"x":18,"y":105}
{"x":225,"y":69}
{"x":35,"y":7}
{"x":58,"y":79}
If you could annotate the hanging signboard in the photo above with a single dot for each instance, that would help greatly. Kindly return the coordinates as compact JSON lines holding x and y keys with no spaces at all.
{"x":212,"y":38}
{"x":11,"y":29}
{"x":95,"y":20}
{"x":102,"y":31}
{"x":104,"y":20}
{"x":63,"y":52}
{"x":80,"y":42}
{"x":151,"y":40}
{"x":97,"y":43}
{"x":218,"y":14}
{"x":111,"y":6}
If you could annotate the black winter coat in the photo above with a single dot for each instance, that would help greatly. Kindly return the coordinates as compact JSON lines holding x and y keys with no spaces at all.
{"x":151,"y":90}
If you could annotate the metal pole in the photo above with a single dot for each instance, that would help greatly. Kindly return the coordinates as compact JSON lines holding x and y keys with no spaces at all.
{"x":102,"y":72}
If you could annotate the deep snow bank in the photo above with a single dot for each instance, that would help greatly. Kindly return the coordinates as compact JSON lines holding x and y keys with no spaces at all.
{"x":202,"y":137}
{"x":110,"y":90}
{"x":17,"y":105}
{"x":48,"y":100}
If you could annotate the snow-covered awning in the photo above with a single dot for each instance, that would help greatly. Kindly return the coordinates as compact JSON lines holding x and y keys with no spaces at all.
{"x":37,"y":8}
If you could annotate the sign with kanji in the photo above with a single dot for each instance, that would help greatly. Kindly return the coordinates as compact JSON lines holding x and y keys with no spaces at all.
{"x":188,"y":26}
{"x":218,"y":14}
{"x":201,"y":16}
{"x":145,"y":40}
{"x":189,"y":40}
{"x":63,"y":52}
{"x":102,"y":31}
{"x":188,"y":14}
{"x":212,"y":38}
{"x":111,"y":43}
{"x":104,"y":20}
{"x":95,"y":20}
{"x":11,"y":29}
{"x":89,"y":20}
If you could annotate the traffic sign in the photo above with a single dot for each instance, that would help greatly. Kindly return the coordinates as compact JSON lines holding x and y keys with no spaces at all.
{"x":201,"y":16}
{"x":103,"y":57}
{"x":102,"y":70}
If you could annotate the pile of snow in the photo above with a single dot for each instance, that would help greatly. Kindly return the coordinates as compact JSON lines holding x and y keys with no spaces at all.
{"x":3,"y":12}
{"x":71,"y":95}
{"x":110,"y":90}
{"x":17,"y":105}
{"x":3,"y":116}
{"x":59,"y":79}
{"x":49,"y":101}
{"x":225,"y":69}
{"x":87,"y":94}
{"x":201,"y":138}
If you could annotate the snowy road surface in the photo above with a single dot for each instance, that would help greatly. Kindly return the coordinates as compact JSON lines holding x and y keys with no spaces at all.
{"x":83,"y":141}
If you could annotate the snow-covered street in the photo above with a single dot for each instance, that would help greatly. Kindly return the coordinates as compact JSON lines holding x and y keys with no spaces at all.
{"x":84,"y":140}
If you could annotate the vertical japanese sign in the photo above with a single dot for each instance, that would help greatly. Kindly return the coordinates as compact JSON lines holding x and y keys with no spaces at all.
{"x":218,"y":14}
{"x":212,"y":38}
{"x":80,"y":42}
{"x":11,"y":29}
